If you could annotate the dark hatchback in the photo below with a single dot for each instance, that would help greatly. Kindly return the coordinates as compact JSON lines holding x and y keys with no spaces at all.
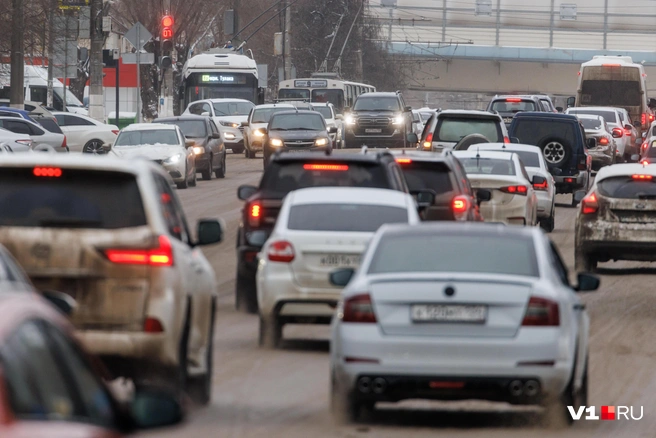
{"x":297,"y":131}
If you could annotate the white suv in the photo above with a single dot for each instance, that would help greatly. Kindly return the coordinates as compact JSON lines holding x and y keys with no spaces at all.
{"x":333,"y":119}
{"x":112,"y":234}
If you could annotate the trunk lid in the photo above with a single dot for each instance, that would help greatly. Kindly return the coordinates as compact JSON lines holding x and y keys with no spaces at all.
{"x":494,"y":183}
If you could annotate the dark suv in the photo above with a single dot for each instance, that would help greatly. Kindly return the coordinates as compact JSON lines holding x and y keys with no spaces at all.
{"x":564,"y":146}
{"x":290,"y":171}
{"x":508,"y":106}
{"x":446,"y":178}
{"x":378,"y":119}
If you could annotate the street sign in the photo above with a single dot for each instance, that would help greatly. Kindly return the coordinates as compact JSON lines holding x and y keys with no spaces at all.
{"x":65,"y":59}
{"x":72,"y":4}
{"x":85,"y":22}
{"x":144,"y":58}
{"x":138,"y":35}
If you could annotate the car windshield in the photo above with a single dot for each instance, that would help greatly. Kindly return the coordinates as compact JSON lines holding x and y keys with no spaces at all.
{"x":591,"y":124}
{"x":628,"y":187}
{"x":609,"y":116}
{"x":263,"y":115}
{"x":296,"y":122}
{"x":76,"y":199}
{"x":344,"y":217}
{"x":453,"y":129}
{"x":420,"y":251}
{"x":232,"y":108}
{"x":513,"y":106}
{"x":426,"y":175}
{"x":372,"y":103}
{"x":190,"y":128}
{"x":147,"y":137}
{"x":488,"y":166}
{"x":324,"y":111}
{"x":281,"y":177}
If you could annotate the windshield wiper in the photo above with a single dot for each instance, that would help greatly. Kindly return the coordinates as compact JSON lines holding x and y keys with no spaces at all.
{"x":303,"y":129}
{"x":70,"y":223}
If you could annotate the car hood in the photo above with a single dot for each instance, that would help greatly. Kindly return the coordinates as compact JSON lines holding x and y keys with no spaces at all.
{"x":151,"y":152}
{"x":375,"y":113}
{"x":236,"y":119}
{"x":298,"y":135}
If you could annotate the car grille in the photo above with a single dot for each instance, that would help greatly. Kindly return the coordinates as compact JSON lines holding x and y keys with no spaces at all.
{"x":377,"y":122}
{"x":299,"y":144}
{"x":635,"y":216}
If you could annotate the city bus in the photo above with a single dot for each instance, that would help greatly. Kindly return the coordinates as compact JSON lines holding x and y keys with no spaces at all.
{"x":329,"y":89}
{"x":220,"y":73}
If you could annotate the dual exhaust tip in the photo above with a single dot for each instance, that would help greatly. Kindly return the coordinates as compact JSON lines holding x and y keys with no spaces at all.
{"x":367,"y":385}
{"x":530,"y":388}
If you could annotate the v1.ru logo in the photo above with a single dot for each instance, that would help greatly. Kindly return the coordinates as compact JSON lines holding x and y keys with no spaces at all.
{"x":607,"y":412}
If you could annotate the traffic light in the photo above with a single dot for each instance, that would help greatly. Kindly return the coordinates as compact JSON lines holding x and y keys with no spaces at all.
{"x":167,"y":33}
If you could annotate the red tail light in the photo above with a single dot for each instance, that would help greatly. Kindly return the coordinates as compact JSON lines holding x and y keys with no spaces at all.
{"x":515,"y":190}
{"x":542,"y":186}
{"x":153,"y":325}
{"x":428,"y":142}
{"x":64,"y":143}
{"x":589,"y":204}
{"x":644,"y":146}
{"x":162,"y":255}
{"x":51,"y":172}
{"x":541,"y":312}
{"x":618,"y":132}
{"x":643,"y":119}
{"x":281,"y":251}
{"x":403,"y":160}
{"x":611,"y":65}
{"x":513,"y":99}
{"x":255,"y":214}
{"x":115,"y":131}
{"x":460,"y":205}
{"x":603,"y":141}
{"x":642,"y":177}
{"x":359,"y":308}
{"x":330,"y":167}
{"x":651,"y":118}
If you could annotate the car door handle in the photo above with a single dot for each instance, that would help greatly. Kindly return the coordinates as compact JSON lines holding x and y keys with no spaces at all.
{"x":579,"y":306}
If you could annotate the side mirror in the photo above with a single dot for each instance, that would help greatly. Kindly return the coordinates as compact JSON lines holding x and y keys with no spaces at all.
{"x":559,"y":109}
{"x":339,"y":117}
{"x":592,"y":143}
{"x":205,"y":113}
{"x":571,"y":101}
{"x":425,"y":198}
{"x":332,"y":130}
{"x":65,"y":303}
{"x":152,"y":408}
{"x":189,"y":143}
{"x":215,"y":135}
{"x":245,"y":123}
{"x":635,"y":158}
{"x":587,"y":283}
{"x":483,"y":195}
{"x":514,"y":140}
{"x":538,"y":180}
{"x":341,"y":277}
{"x":244,"y":192}
{"x":579,"y":195}
{"x":107,"y":147}
{"x":407,"y":109}
{"x":412,"y":138}
{"x":210,"y":231}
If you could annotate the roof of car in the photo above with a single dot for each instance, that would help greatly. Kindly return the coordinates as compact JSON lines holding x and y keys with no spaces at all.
{"x":178,"y":118}
{"x":78,"y":161}
{"x":148,"y":126}
{"x":275,"y":105}
{"x":296,"y":112}
{"x":371,"y":156}
{"x":354,"y":195}
{"x":516,"y":96}
{"x":479,"y":113}
{"x":423,"y":155}
{"x":624,"y":170}
{"x":469,"y":153}
{"x":225,"y":99}
{"x":595,"y":108}
{"x":15,"y":110}
{"x":544,"y":115}
{"x":378,"y":94}
{"x":321,"y":104}
{"x":459,"y":228}
{"x":509,"y":147}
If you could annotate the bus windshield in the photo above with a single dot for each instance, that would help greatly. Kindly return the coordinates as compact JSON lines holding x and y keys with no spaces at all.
{"x":336,"y":97}
{"x":294,"y":94}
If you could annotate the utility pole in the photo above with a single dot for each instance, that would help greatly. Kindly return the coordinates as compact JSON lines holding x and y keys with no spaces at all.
{"x":287,"y":47}
{"x":17,"y":94}
{"x":51,"y":50}
{"x":96,"y":95}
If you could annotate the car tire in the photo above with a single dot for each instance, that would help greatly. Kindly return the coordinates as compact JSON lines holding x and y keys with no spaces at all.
{"x":556,"y":151}
{"x":193,"y":181}
{"x":584,"y":262}
{"x":238,"y":150}
{"x":207,"y":173}
{"x":200,"y":388}
{"x":270,"y":333}
{"x":549,"y":224}
{"x":94,"y":147}
{"x":556,"y":414}
{"x":181,"y":374}
{"x":222,"y":171}
{"x":344,"y":410}
{"x":185,"y":183}
{"x":245,"y":295}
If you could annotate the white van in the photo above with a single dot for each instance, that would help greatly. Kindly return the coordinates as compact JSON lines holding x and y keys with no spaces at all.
{"x":615,"y":81}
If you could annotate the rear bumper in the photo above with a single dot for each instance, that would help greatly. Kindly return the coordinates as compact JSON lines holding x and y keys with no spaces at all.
{"x":617,"y":241}
{"x":601,"y":159}
{"x":513,"y":213}
{"x":571,"y":183}
{"x":156,"y":347}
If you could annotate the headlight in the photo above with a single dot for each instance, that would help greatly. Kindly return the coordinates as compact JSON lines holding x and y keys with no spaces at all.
{"x":174,"y":159}
{"x":398,"y":120}
{"x":275,"y":142}
{"x":229,"y":136}
{"x":198,"y":150}
{"x":321,"y":142}
{"x":228,"y":123}
{"x":258,"y":133}
{"x":349,"y":120}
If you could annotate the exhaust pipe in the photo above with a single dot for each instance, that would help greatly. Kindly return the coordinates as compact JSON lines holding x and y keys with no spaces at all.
{"x":516,"y":388}
{"x":531,"y":388}
{"x":364,"y":385}
{"x":379,"y":385}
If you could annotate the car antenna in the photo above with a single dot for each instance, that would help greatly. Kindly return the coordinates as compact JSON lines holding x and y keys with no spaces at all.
{"x":478,"y":156}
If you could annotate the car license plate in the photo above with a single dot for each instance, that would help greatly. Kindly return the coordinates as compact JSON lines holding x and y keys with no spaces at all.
{"x":373,"y":131}
{"x":340,"y":260}
{"x":449,"y":313}
{"x":507,"y":120}
{"x":296,"y":150}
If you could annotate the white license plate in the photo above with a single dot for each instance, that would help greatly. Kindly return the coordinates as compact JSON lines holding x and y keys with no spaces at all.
{"x":373,"y":131}
{"x":448,"y":313}
{"x":507,"y":119}
{"x":340,"y":260}
{"x":296,"y":150}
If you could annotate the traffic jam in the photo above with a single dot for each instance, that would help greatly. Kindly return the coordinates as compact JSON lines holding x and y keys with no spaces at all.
{"x":425,"y":245}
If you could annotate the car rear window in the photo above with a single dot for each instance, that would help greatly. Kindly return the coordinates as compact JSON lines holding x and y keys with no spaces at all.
{"x":488,"y":166}
{"x":147,"y":137}
{"x":539,"y":132}
{"x":428,"y":175}
{"x":281,"y":177}
{"x":505,"y":106}
{"x":452,"y":129}
{"x":344,"y":217}
{"x":459,"y":252}
{"x":609,"y":116}
{"x":75,"y":199}
{"x":190,"y":128}
{"x":530,"y":159}
{"x":627,"y":187}
{"x":592,"y":124}
{"x":49,"y":124}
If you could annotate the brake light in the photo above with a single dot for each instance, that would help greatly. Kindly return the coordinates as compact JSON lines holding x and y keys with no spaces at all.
{"x":603,"y":141}
{"x":515,"y":190}
{"x":254,"y":214}
{"x":153,"y":325}
{"x":643,"y":119}
{"x":651,"y":117}
{"x":115,"y":131}
{"x":429,"y":140}
{"x":329,"y":167}
{"x":611,"y":65}
{"x":513,"y":99}
{"x":359,"y":308}
{"x":281,"y":251}
{"x":541,"y":186}
{"x":460,"y":206}
{"x":64,"y":143}
{"x":403,"y":160}
{"x":51,"y":172}
{"x":541,"y":312}
{"x":642,"y":177}
{"x":589,"y":204}
{"x":618,"y":132}
{"x":162,"y":255}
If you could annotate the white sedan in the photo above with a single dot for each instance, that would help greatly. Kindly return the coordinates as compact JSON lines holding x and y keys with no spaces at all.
{"x":535,"y":165}
{"x":319,"y":229}
{"x":84,"y":134}
{"x":514,"y":201}
{"x":460,"y":311}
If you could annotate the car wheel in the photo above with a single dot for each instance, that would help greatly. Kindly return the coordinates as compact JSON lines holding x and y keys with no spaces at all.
{"x":549,"y":224}
{"x":207,"y":173}
{"x":193,"y":181}
{"x":342,"y":406}
{"x":270,"y":333}
{"x":245,"y":295}
{"x":556,"y":151}
{"x":181,"y":374}
{"x":200,"y":388}
{"x":556,"y":414}
{"x":94,"y":146}
{"x":222,"y":171}
{"x":584,"y":262}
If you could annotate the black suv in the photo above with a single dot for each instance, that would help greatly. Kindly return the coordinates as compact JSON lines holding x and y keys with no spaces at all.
{"x":508,"y":106}
{"x":290,"y":171}
{"x":296,"y":131}
{"x":378,"y":119}
{"x":445,"y":177}
{"x":564,"y":146}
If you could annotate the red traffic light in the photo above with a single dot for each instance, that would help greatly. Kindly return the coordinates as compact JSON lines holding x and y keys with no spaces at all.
{"x":167,"y":21}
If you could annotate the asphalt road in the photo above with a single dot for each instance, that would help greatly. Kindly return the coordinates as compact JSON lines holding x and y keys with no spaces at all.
{"x":284,"y":393}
